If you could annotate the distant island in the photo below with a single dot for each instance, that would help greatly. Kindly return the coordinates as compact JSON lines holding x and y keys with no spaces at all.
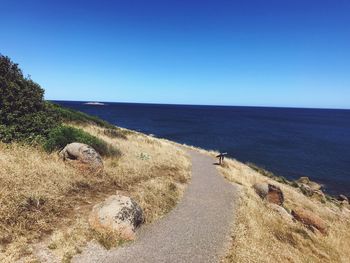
{"x":95,"y":103}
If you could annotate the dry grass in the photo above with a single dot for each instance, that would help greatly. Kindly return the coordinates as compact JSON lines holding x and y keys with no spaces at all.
{"x":261,"y":235}
{"x":43,"y":198}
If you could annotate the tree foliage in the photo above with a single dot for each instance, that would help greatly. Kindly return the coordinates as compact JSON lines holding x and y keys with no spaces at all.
{"x":24,"y":114}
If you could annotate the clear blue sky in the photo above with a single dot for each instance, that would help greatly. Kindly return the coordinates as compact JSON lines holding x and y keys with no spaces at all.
{"x":272,"y":53}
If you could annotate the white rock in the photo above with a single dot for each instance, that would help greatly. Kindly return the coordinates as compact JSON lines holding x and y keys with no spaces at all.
{"x":119,"y":213}
{"x":83,"y":153}
{"x":281,"y":211}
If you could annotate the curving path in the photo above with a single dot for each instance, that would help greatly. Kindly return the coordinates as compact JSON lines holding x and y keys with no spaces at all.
{"x":196,"y":230}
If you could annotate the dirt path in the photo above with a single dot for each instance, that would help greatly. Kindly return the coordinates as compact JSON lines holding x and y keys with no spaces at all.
{"x":196,"y":230}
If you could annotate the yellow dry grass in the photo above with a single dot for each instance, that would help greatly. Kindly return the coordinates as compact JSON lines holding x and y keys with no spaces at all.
{"x":44,"y":198}
{"x":261,"y":235}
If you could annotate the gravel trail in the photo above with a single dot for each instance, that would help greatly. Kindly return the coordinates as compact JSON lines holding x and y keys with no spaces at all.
{"x":196,"y":230}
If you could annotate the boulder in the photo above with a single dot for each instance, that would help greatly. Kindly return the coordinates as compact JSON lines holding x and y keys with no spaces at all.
{"x":343,"y":198}
{"x":83,"y":153}
{"x":262,"y":189}
{"x":309,"y":219}
{"x":320,"y":196}
{"x":314,"y":186}
{"x":303,"y":180}
{"x":270,"y":192}
{"x":306,"y":190}
{"x":281,"y":211}
{"x":275,"y":195}
{"x":117,"y":213}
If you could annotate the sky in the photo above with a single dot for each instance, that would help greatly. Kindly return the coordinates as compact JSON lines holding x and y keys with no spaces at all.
{"x":282,"y":53}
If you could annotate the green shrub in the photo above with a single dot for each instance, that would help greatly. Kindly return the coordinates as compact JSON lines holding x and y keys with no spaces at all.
{"x":62,"y":135}
{"x":23,"y":111}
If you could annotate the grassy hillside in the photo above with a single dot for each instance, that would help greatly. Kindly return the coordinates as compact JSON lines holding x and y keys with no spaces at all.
{"x":44,"y":198}
{"x":260,"y":234}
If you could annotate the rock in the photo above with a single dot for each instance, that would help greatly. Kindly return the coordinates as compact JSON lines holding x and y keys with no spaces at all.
{"x":320,"y":196}
{"x":262,"y":189}
{"x":303,"y":180}
{"x":117,"y":213}
{"x":343,"y":198}
{"x":306,"y":190}
{"x":275,"y":195}
{"x":314,"y":186}
{"x":84,"y":153}
{"x":310,"y":186}
{"x":309,"y":219}
{"x":271,"y":193}
{"x":281,"y":211}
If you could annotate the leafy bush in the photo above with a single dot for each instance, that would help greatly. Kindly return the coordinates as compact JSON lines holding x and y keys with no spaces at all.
{"x":23,"y":111}
{"x":62,"y":135}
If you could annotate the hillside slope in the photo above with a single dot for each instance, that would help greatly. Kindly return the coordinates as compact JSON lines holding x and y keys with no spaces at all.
{"x":45,"y":199}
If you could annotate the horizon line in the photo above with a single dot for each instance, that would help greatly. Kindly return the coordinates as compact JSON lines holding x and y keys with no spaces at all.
{"x":207,"y":105}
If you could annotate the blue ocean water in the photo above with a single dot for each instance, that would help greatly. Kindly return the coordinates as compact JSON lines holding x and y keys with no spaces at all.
{"x":287,"y":141}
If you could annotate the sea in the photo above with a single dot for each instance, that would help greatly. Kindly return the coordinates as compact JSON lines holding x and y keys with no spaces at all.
{"x":290,"y":142}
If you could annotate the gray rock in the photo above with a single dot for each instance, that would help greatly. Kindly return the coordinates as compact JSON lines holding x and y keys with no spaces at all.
{"x":306,"y":190}
{"x":343,"y":198}
{"x":117,"y":213}
{"x":83,"y":153}
{"x":281,"y":211}
{"x":319,"y":195}
{"x":314,"y":186}
{"x":303,"y":180}
{"x":262,"y":189}
{"x":311,"y":184}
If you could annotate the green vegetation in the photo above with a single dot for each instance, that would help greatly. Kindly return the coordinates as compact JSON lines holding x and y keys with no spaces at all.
{"x":62,"y":135}
{"x":26,"y":117}
{"x":23,"y":112}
